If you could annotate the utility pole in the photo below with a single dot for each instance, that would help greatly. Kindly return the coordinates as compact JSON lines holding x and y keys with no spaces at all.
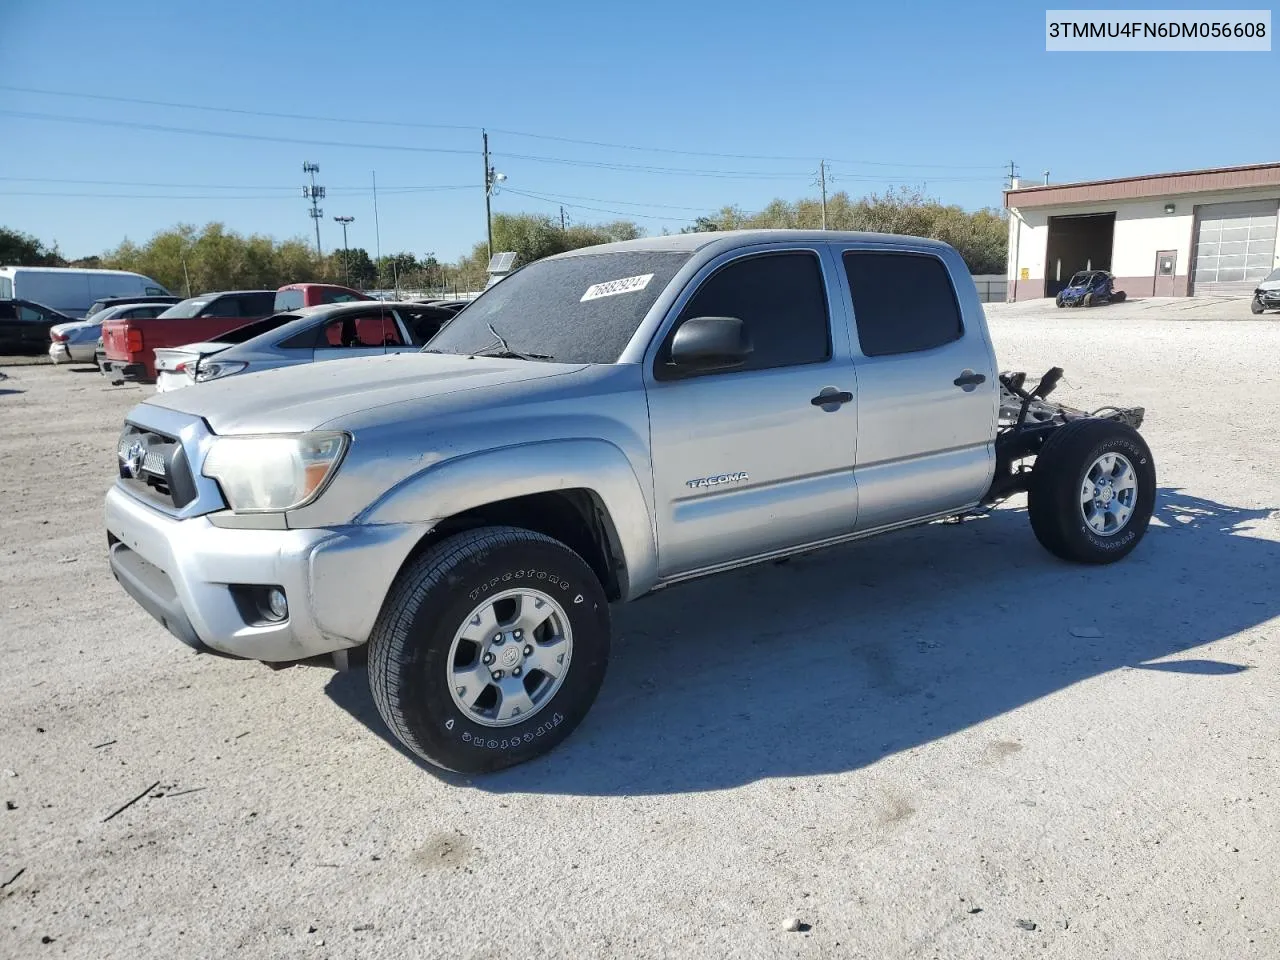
{"x":822,"y":182}
{"x":491,"y":177}
{"x":1012,"y":174}
{"x":346,"y":269}
{"x":314,"y":193}
{"x":377,"y":231}
{"x":562,"y":218}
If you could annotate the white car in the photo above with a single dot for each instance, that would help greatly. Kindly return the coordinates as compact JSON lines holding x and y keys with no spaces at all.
{"x":76,"y":342}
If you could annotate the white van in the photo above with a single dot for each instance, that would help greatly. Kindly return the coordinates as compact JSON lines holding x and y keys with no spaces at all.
{"x":71,"y":290}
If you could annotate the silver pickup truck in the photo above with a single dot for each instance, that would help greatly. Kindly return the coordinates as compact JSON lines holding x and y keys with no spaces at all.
{"x":599,"y":425}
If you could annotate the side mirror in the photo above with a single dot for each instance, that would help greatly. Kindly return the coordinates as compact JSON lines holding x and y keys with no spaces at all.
{"x":710,"y":343}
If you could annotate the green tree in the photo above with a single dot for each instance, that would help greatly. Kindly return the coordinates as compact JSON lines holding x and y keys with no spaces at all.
{"x":19,"y":249}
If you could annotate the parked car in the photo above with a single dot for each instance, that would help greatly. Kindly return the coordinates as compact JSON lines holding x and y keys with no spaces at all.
{"x":293,"y":296}
{"x":1267,"y":294}
{"x":25,"y":325}
{"x":311,"y":334}
{"x":130,"y":344}
{"x":599,"y":425}
{"x":102,"y":303}
{"x":71,"y":290}
{"x":1090,"y":288}
{"x":76,"y":342}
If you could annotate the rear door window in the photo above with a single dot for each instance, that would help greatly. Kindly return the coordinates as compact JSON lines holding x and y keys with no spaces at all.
{"x":902,"y":302}
{"x":359,"y":330}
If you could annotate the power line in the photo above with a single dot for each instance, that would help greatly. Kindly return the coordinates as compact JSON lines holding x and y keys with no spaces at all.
{"x":227,"y":186}
{"x":311,"y":118}
{"x":579,"y":206}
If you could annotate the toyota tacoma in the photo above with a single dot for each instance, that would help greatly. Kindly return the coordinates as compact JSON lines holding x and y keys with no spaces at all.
{"x":601,"y":425}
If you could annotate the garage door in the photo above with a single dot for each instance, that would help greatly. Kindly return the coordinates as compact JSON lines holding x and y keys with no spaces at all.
{"x":1235,"y":247}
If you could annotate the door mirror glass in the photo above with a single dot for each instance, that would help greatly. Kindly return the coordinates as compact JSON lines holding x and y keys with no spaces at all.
{"x":710,"y":343}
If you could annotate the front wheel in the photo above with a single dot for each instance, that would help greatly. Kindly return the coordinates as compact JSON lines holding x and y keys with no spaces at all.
{"x":1092,"y":491}
{"x":490,"y":649}
{"x":1255,"y":305}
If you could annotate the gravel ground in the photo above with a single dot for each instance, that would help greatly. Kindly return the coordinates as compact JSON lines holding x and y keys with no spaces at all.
{"x":941,"y":743}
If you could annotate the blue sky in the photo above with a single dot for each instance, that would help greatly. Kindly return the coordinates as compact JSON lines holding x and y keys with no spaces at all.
{"x":942,"y":95}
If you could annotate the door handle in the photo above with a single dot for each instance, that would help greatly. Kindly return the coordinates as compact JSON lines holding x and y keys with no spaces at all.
{"x":830,"y":396}
{"x":969,"y":379}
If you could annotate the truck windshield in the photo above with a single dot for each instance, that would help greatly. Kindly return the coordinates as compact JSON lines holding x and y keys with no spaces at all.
{"x":185,"y":309}
{"x":581,"y":309}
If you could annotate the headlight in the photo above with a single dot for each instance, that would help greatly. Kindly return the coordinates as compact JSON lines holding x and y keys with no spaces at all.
{"x":266,"y":474}
{"x":212,"y":371}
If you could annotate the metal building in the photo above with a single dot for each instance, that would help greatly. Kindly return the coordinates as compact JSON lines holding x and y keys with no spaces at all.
{"x":1190,"y":233}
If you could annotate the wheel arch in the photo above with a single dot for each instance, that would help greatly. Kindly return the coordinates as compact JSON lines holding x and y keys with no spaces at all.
{"x":583,"y":493}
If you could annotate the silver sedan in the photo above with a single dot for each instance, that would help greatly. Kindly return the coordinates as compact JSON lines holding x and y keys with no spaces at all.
{"x":308,"y":335}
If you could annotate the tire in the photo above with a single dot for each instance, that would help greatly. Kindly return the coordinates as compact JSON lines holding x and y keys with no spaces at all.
{"x":1054,"y":501}
{"x":1058,"y":300}
{"x":1118,"y":296}
{"x":1255,"y":305}
{"x":430,"y":603}
{"x":1088,"y":300}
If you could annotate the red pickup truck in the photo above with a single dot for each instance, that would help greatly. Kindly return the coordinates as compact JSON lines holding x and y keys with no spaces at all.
{"x":129,"y":345}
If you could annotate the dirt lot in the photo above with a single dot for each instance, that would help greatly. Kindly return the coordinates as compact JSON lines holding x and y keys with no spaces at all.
{"x":940,"y":744}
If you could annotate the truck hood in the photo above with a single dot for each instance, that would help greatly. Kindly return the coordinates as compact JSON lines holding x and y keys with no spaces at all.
{"x":304,"y":397}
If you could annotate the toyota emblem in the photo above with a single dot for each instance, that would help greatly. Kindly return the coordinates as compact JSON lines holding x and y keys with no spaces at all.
{"x":132,"y":459}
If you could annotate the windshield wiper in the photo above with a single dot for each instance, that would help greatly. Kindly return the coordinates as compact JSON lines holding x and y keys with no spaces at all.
{"x":513,"y":355}
{"x":506,"y":352}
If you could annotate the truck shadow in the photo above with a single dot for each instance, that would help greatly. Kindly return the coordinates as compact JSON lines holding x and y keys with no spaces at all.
{"x":829,"y":662}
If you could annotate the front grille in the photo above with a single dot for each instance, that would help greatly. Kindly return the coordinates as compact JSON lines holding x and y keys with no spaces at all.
{"x":153,"y":466}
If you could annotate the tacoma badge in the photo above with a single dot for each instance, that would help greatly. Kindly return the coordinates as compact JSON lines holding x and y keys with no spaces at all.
{"x":716,"y":480}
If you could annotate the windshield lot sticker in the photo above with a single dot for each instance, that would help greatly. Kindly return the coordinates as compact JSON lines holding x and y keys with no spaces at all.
{"x":614,"y":287}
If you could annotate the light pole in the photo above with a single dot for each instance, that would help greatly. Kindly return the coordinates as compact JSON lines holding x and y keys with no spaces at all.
{"x":346,"y":270}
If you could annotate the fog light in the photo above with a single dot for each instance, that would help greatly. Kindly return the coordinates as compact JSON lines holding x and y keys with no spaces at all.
{"x":277,"y":604}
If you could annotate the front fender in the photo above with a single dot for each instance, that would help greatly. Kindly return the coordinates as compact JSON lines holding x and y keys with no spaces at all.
{"x":463,"y":483}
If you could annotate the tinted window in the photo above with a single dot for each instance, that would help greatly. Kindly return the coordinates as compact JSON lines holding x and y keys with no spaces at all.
{"x":257,"y":304}
{"x":154,"y":292}
{"x":902,"y":302}
{"x":337,"y":296}
{"x":288,"y":300}
{"x":30,"y":314}
{"x":224,"y":307}
{"x":582,"y":309}
{"x":424,"y":322}
{"x":780,"y":299}
{"x":6,"y":288}
{"x":8,"y":311}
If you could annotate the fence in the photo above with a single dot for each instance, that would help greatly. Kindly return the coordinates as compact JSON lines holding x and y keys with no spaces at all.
{"x":992,"y":287}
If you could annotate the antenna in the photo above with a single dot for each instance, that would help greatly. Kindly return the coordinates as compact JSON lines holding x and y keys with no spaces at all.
{"x":314,"y":194}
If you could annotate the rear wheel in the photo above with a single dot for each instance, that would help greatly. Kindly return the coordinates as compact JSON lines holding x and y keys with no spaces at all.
{"x":1092,"y":491}
{"x":490,"y":649}
{"x":1088,"y":300}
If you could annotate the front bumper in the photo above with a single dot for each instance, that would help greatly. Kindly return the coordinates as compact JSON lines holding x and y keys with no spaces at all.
{"x":182,"y":572}
{"x":64,"y":351}
{"x":1268,"y":298}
